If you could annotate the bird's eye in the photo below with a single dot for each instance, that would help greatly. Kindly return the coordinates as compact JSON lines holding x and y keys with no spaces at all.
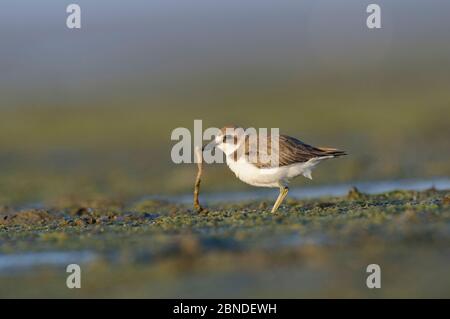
{"x":227,"y":138}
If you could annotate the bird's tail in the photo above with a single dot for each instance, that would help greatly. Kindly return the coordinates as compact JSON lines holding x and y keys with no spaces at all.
{"x":332,"y":151}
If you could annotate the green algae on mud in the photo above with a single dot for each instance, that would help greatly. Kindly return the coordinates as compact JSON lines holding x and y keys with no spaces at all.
{"x":316,"y":247}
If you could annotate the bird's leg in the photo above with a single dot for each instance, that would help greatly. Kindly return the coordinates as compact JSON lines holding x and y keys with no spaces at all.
{"x":283,"y":193}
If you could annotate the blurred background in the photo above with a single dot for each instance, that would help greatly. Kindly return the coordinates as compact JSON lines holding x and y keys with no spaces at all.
{"x":88,"y":112}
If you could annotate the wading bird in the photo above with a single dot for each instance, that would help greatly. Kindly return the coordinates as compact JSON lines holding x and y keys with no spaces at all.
{"x":284,"y":157}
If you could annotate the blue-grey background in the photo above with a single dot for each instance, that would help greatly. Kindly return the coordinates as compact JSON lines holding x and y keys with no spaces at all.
{"x":91,"y":111}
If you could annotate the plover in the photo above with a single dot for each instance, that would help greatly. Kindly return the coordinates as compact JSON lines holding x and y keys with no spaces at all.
{"x":291,"y":158}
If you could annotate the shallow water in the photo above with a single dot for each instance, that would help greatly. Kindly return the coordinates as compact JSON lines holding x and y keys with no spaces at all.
{"x":318,"y":191}
{"x":24,"y":261}
{"x":316,"y":249}
{"x":11,"y":263}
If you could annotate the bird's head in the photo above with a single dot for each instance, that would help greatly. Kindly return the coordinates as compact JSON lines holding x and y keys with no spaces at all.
{"x":228,"y":139}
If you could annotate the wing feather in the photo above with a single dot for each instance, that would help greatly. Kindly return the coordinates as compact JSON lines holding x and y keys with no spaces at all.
{"x":291,"y":151}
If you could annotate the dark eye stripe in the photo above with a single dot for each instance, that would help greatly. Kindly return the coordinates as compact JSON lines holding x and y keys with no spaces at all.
{"x":227,"y":138}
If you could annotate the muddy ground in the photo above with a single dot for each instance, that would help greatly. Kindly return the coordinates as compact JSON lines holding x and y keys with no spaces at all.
{"x":310,"y":248}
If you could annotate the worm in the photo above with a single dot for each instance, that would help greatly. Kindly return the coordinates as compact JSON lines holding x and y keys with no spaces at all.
{"x":198,"y":179}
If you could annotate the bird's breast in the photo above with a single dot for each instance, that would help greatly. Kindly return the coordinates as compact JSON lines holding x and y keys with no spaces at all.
{"x":250,"y":174}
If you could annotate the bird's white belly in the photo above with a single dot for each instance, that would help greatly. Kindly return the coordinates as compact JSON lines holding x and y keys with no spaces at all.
{"x":270,"y":177}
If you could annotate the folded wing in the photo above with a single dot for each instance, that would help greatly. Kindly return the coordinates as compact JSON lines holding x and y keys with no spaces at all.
{"x":290,"y":151}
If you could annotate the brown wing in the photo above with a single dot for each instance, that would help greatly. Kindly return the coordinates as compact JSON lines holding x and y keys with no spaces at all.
{"x":291,"y":151}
